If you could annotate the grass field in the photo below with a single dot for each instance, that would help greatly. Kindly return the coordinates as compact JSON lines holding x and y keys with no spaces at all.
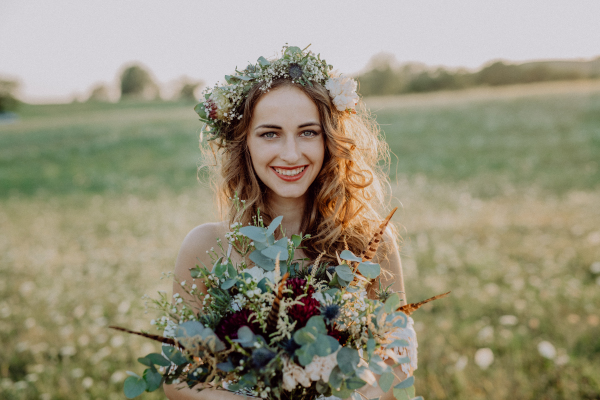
{"x":500,"y":195}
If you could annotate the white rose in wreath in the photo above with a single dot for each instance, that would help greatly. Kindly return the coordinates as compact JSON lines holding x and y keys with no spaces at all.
{"x":343,"y":92}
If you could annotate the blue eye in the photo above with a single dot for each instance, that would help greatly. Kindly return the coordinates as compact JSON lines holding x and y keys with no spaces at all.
{"x":308,"y":134}
{"x":268,"y":135}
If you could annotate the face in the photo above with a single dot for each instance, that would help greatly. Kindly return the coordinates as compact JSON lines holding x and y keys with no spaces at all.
{"x":286,"y":142}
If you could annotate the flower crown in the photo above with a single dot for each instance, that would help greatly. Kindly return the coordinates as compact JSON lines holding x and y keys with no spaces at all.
{"x":221,"y":105}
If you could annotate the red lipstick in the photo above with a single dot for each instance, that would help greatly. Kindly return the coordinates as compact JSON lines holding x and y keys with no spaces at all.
{"x":289,"y":178}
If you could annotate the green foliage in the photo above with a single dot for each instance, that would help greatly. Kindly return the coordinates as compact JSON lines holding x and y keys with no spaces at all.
{"x":136,"y":82}
{"x":8,"y":102}
{"x":384,"y":77}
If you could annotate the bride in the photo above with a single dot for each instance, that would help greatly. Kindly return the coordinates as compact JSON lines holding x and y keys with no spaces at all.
{"x":293,"y":144}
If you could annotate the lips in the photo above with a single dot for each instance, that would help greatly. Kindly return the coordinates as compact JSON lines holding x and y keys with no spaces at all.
{"x":290,"y":173}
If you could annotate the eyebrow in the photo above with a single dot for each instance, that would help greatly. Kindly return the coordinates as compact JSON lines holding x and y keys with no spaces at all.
{"x":269,"y":126}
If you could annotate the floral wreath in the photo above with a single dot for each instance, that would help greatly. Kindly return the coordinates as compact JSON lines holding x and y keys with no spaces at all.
{"x":222,"y":103}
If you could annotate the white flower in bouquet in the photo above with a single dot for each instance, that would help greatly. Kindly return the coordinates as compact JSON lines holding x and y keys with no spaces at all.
{"x":293,"y":374}
{"x":258,"y":274}
{"x":321,"y":367}
{"x":343,"y":92}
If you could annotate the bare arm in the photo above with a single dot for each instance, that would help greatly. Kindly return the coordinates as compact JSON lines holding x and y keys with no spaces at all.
{"x":192,"y":253}
{"x":391,"y":269}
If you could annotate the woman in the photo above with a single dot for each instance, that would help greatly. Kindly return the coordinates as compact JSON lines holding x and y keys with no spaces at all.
{"x":290,"y":143}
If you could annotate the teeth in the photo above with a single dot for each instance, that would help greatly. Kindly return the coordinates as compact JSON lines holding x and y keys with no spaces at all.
{"x":289,"y":172}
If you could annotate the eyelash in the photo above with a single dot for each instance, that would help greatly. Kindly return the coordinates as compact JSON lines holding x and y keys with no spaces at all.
{"x":267,"y":133}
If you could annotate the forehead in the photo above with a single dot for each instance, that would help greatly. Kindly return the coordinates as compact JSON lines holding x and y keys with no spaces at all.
{"x":286,"y":105}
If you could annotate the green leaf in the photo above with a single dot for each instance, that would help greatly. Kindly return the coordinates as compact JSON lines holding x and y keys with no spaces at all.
{"x":220,"y":270}
{"x":354,"y":383}
{"x":365,"y":374}
{"x":228,"y":283}
{"x":397,"y":343}
{"x":153,"y":380}
{"x":283,"y":243}
{"x":392,"y":303}
{"x":134,"y":386}
{"x":369,"y":270}
{"x":406,"y":383}
{"x":225,"y":366}
{"x":385,"y":381}
{"x":228,"y":79}
{"x":201,"y":110}
{"x":273,"y":225}
{"x":349,"y":256}
{"x":344,"y":272}
{"x":304,"y":336}
{"x":189,"y":329}
{"x":293,"y":50}
{"x":336,"y":378}
{"x":318,"y":323}
{"x":347,"y":359}
{"x":370,"y":347}
{"x":296,"y":239}
{"x":146,"y":361}
{"x":305,"y":355}
{"x":378,"y":366}
{"x":231,"y":271}
{"x":356,"y":396}
{"x":245,"y":336}
{"x":404,"y":394}
{"x":263,"y":61}
{"x":344,"y":392}
{"x":174,"y":355}
{"x":264,"y":262}
{"x":275,"y":252}
{"x":325,"y":345}
{"x":158,"y":359}
{"x":255,"y":233}
{"x":262,"y":285}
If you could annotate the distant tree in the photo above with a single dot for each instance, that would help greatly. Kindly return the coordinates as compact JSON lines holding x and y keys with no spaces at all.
{"x":382,"y":77}
{"x":8,"y":102}
{"x":136,"y":82}
{"x":188,"y":89}
{"x":99,"y":94}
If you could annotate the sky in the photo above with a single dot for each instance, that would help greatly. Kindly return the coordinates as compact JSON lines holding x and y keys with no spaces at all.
{"x":59,"y":49}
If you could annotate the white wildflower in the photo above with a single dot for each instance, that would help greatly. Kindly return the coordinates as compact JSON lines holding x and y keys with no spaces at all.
{"x":484,"y":357}
{"x":547,"y":350}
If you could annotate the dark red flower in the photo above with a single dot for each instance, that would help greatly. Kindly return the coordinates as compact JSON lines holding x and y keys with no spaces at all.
{"x":303,"y":312}
{"x":297,"y":285}
{"x":230,"y":324}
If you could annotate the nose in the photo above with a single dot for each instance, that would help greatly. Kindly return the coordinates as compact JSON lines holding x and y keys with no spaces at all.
{"x":290,"y":152}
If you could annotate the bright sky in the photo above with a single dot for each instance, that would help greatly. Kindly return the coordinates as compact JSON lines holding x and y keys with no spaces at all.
{"x":60,"y":48}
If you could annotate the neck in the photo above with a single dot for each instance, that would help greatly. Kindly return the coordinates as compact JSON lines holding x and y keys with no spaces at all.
{"x":292,"y":211}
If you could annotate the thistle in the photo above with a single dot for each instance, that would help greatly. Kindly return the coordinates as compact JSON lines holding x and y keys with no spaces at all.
{"x":383,"y":293}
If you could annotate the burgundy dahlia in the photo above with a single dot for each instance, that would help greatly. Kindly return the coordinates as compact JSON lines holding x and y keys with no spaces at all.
{"x":230,"y":324}
{"x":303,"y":312}
{"x":297,"y":285}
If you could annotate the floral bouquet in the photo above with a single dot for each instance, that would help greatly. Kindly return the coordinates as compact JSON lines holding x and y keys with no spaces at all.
{"x":277,"y":330}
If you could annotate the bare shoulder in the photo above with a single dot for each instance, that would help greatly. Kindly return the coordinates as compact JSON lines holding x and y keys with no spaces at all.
{"x":194,"y":248}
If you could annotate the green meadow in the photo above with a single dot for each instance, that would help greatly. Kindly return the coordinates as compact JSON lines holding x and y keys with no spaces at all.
{"x":499,"y":190}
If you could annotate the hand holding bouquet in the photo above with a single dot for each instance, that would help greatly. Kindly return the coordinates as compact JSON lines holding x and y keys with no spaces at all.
{"x":277,"y":330}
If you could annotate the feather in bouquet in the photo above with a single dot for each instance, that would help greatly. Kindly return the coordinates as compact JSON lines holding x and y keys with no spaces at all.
{"x":278,"y":330}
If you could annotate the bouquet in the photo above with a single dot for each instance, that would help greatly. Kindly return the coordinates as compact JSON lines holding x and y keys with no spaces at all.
{"x":278,"y":329}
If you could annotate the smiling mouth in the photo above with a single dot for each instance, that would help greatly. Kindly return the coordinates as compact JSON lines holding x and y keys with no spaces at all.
{"x":290,"y":172}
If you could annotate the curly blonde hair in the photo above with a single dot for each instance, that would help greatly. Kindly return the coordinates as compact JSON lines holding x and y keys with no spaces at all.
{"x":343,"y":201}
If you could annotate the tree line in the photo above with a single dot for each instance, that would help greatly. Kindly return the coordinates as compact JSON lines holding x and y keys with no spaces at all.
{"x":384,"y":76}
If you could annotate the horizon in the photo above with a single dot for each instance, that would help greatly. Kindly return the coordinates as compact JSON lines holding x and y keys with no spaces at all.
{"x":60,"y":61}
